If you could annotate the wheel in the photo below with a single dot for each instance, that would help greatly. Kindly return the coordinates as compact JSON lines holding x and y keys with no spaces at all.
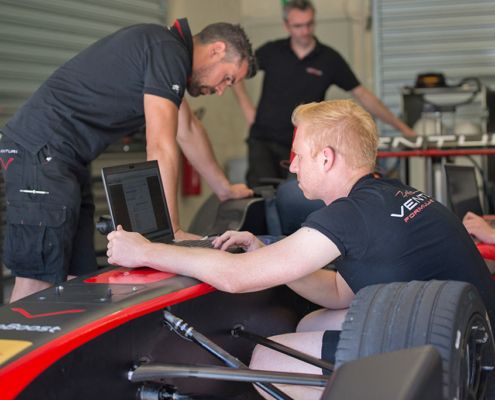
{"x":448,"y":315}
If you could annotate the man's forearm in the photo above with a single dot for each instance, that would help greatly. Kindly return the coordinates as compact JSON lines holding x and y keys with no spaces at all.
{"x":168,"y":161}
{"x":383,"y":113}
{"x":196,"y":145}
{"x":375,"y":107}
{"x":161,"y":145}
{"x":204,"y":265}
{"x":197,"y":148}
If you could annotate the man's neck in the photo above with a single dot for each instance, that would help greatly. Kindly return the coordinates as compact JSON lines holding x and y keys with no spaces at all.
{"x":344,"y":184}
{"x":302,"y":51}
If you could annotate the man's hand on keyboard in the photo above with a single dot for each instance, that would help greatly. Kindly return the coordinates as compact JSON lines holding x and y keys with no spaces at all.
{"x":245,"y":240}
{"x":479,"y":228}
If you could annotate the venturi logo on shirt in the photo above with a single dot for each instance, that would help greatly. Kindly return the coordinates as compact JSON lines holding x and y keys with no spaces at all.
{"x":176,"y":88}
{"x":415,"y":204}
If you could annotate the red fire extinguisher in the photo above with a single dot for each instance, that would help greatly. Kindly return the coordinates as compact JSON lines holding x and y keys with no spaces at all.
{"x":191,"y":180}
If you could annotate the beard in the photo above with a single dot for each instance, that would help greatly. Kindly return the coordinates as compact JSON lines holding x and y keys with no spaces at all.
{"x":195,"y":87}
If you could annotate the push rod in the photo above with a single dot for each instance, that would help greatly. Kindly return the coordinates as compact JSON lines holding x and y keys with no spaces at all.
{"x":157,"y":372}
{"x":271,"y":344}
{"x":188,"y":332}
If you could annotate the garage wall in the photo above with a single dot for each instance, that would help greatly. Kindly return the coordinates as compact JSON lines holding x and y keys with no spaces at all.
{"x":38,"y":36}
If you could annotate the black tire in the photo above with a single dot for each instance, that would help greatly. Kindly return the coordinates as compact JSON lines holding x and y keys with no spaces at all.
{"x":448,"y":315}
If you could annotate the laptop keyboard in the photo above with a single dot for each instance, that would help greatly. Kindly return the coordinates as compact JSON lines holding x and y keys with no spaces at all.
{"x":205,"y":243}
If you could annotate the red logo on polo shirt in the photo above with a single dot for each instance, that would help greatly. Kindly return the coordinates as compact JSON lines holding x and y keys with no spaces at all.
{"x":314,"y":71}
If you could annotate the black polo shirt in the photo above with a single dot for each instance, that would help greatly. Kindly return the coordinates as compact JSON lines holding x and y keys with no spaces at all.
{"x":390,"y":232}
{"x":96,"y":98}
{"x":289,"y":82}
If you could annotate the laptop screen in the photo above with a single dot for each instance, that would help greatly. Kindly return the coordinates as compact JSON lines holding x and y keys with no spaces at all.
{"x":462,"y":189}
{"x":136,"y":199}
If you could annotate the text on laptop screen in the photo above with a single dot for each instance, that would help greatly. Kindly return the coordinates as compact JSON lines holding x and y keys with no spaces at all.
{"x":137,"y":202}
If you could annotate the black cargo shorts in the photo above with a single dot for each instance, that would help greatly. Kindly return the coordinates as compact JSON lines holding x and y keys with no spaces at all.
{"x":49,"y":214}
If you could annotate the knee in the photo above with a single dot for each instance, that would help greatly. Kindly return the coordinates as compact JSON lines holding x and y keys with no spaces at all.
{"x":321,"y":320}
{"x":306,"y":324}
{"x":258,"y":358}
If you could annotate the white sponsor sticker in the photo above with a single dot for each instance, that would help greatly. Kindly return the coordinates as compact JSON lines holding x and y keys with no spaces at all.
{"x":29,"y":328}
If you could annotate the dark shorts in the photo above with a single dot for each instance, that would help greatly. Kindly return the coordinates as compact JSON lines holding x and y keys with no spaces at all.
{"x":49,"y":215}
{"x":266,"y":160}
{"x":329,"y":347}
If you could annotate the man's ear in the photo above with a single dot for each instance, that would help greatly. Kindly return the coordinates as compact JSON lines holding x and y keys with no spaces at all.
{"x":217,"y":50}
{"x":286,"y":25}
{"x":328,"y":158}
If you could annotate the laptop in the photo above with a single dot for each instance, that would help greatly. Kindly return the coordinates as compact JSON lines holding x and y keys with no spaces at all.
{"x":462,"y":189}
{"x":136,"y":200}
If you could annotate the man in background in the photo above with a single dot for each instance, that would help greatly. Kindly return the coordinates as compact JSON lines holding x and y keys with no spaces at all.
{"x":134,"y":77}
{"x":297,"y":70}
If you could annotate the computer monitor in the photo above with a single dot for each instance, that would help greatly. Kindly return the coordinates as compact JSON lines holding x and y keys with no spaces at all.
{"x":462,"y":189}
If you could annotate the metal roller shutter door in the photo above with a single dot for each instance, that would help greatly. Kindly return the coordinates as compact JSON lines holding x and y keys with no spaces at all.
{"x":413,"y":36}
{"x":38,"y":36}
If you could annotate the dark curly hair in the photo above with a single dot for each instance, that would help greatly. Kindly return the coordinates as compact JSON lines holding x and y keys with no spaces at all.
{"x":236,"y":40}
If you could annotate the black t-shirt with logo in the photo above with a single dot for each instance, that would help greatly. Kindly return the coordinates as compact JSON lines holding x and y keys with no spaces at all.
{"x":289,"y":82}
{"x":96,"y":98}
{"x":389,"y":232}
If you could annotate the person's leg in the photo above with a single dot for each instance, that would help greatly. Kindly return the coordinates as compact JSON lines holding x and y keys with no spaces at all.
{"x":322,"y":320}
{"x":261,"y":163}
{"x":19,"y":245}
{"x":280,"y":155}
{"x":25,"y":286}
{"x":41,"y":198}
{"x":271,"y":360}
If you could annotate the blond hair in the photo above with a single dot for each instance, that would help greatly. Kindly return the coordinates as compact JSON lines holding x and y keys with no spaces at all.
{"x":342,"y":125}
